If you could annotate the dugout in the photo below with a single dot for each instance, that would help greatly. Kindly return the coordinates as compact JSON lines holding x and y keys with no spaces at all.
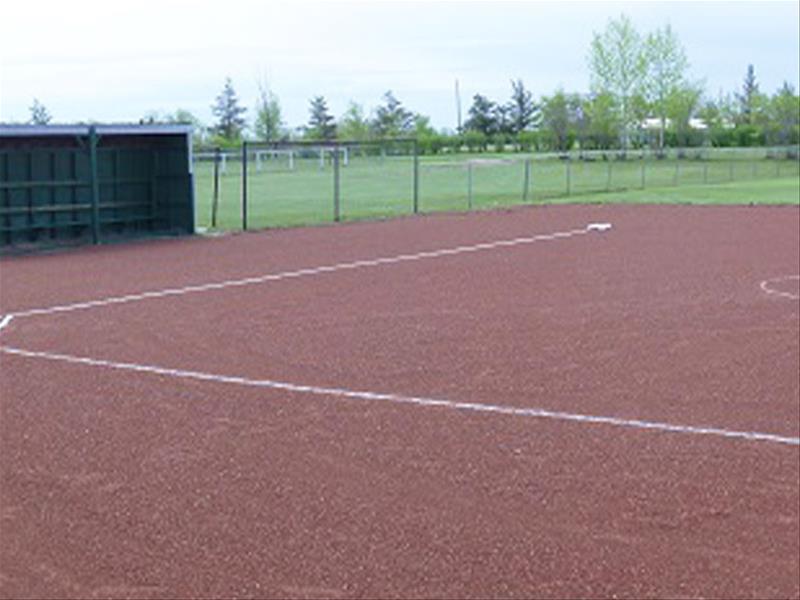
{"x":75,"y":184}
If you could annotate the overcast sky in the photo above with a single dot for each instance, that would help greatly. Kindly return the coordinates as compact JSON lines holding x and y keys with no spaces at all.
{"x":116,"y":60}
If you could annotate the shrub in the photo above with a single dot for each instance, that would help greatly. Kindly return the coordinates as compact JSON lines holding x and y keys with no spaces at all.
{"x":528,"y":140}
{"x":475,"y":141}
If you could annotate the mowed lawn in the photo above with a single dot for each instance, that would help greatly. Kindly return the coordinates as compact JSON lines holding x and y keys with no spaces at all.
{"x":372,"y":187}
{"x":767,"y":191}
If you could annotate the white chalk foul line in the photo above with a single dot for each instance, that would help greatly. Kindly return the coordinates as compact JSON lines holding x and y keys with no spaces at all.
{"x":358,"y":264}
{"x":765,"y":286}
{"x":419,"y":401}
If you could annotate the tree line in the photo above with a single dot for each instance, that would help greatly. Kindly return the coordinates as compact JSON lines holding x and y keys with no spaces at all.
{"x":641,"y":95}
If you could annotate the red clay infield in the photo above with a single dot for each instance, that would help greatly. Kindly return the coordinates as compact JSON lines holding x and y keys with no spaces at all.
{"x":147,"y":448}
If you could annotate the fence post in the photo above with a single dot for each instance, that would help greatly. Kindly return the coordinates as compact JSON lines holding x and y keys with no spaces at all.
{"x":643,"y":170}
{"x":336,"y":199}
{"x":95,"y":185}
{"x":526,"y":180}
{"x":244,"y":185}
{"x":416,"y":177}
{"x":469,"y":185}
{"x":215,"y":194}
{"x":608,"y":175}
{"x":569,"y":175}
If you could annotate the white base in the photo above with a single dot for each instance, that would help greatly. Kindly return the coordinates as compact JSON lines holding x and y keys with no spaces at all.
{"x":598,"y":227}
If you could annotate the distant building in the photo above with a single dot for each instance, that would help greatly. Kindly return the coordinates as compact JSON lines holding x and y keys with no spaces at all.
{"x":654,"y":124}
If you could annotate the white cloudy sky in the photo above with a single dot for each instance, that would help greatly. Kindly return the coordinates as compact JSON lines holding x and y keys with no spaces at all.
{"x":116,"y":60}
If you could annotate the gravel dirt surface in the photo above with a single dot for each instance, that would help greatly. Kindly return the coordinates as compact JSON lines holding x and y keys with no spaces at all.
{"x":124,"y":484}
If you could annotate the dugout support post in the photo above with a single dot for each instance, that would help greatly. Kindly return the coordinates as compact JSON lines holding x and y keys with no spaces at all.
{"x":95,"y":185}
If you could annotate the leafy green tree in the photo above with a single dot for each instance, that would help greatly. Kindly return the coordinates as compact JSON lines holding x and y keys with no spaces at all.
{"x":666,"y":74}
{"x":582,"y":117}
{"x":747,"y":136}
{"x":559,"y":119}
{"x":268,"y":124}
{"x":602,"y":121}
{"x":181,"y":116}
{"x":430,"y":141}
{"x":354,"y":125}
{"x":392,"y":119}
{"x":230,"y":116}
{"x":39,"y":113}
{"x":719,"y":116}
{"x":681,"y":106}
{"x":422,"y":125}
{"x":482,"y":116}
{"x":321,"y":124}
{"x":784,"y":116}
{"x":528,"y":140}
{"x":475,"y":141}
{"x":453,"y":142}
{"x":618,"y":67}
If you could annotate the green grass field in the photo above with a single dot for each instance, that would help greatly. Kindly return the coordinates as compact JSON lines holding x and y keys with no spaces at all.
{"x":374,"y":187}
{"x":785,"y":190}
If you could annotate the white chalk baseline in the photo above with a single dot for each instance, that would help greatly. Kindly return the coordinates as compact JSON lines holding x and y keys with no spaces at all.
{"x":336,"y":392}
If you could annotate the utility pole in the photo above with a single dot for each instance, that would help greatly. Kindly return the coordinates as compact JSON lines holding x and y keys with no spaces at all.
{"x":458,"y":107}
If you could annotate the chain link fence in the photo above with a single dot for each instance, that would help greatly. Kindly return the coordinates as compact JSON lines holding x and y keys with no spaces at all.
{"x":277,"y":185}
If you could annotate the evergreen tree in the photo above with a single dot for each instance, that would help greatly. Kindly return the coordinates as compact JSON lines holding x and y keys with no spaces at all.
{"x":504,"y":125}
{"x":749,"y":97}
{"x":321,"y":124}
{"x":523,"y":111}
{"x":482,"y":116}
{"x":230,"y":115}
{"x":39,"y":113}
{"x":391,"y":118}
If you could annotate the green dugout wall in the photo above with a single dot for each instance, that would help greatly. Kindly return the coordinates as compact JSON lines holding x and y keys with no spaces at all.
{"x":93,"y":184}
